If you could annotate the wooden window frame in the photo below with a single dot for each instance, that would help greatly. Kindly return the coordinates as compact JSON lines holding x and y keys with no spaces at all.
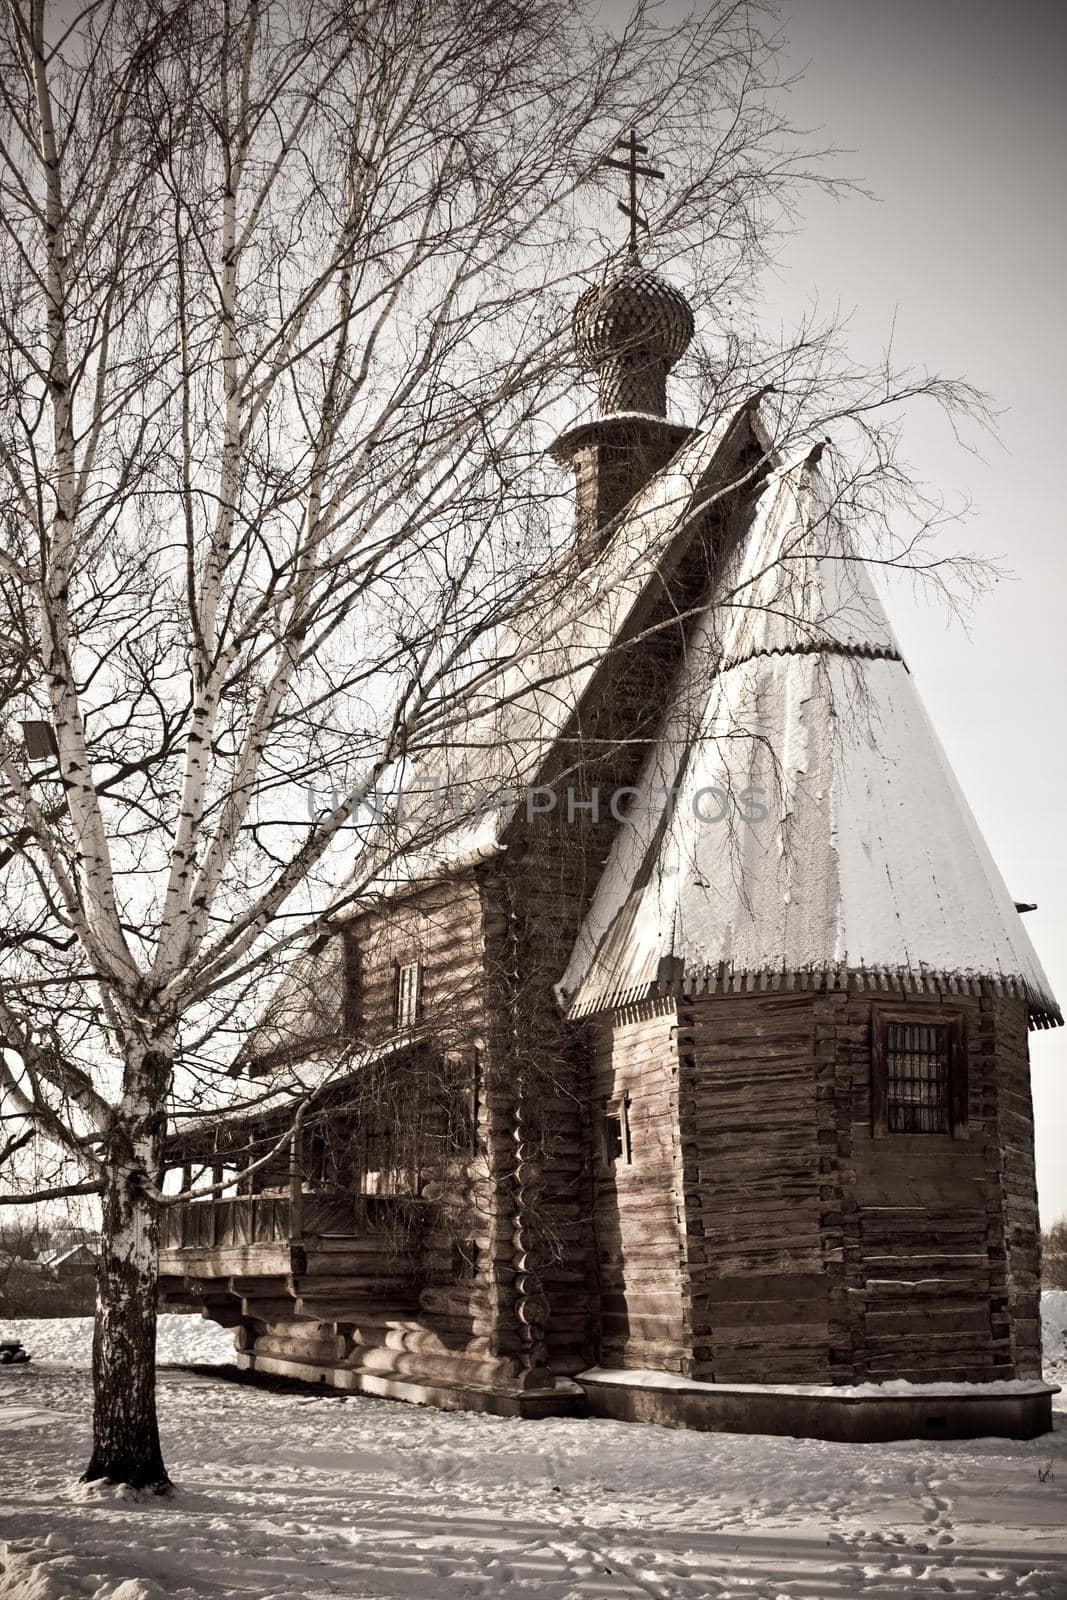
{"x":616,"y":1110}
{"x":404,"y":1024}
{"x":940,"y":1016}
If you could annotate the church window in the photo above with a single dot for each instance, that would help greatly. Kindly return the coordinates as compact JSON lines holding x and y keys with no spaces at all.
{"x":408,"y":993}
{"x":616,"y":1132}
{"x":917,"y":1066}
{"x":918,"y":1074}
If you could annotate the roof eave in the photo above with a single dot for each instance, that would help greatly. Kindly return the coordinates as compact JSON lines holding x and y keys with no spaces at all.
{"x":589,"y":1001}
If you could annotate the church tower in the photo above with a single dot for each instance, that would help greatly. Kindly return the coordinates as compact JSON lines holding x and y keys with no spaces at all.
{"x":629,"y":331}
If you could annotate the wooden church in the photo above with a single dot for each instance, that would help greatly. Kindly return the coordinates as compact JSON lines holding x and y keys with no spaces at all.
{"x":690,"y":1082}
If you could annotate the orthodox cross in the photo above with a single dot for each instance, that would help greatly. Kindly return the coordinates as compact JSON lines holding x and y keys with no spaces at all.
{"x":635,"y":170}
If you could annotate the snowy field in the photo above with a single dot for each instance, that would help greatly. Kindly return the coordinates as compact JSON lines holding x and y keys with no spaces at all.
{"x":300,"y":1497}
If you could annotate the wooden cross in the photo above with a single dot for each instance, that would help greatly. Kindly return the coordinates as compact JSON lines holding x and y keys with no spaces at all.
{"x":631,"y":166}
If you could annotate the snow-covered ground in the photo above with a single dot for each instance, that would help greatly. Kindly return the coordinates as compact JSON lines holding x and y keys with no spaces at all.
{"x":68,"y":1341}
{"x":301,"y":1496}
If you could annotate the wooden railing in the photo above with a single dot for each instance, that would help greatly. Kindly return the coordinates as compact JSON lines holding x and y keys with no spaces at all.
{"x":236,"y":1220}
{"x":251,"y":1219}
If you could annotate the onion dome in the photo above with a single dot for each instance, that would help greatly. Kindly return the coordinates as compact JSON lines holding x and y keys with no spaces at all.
{"x":630,"y":329}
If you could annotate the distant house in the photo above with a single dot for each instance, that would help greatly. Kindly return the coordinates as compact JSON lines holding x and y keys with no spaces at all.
{"x":67,"y":1261}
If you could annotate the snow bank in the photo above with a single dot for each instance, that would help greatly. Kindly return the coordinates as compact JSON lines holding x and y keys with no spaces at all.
{"x":891,"y":1389}
{"x":43,"y":1574}
{"x":68,"y":1341}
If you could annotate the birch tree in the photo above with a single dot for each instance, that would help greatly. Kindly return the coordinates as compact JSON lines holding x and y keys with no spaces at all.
{"x":284,"y":306}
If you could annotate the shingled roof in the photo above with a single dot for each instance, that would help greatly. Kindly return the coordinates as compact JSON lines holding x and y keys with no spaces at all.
{"x":867,"y":865}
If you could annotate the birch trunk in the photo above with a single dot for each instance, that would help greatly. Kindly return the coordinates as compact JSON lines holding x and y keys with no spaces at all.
{"x":126,"y":1447}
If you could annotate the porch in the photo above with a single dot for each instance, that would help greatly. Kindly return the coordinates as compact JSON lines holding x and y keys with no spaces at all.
{"x":277,"y":1257}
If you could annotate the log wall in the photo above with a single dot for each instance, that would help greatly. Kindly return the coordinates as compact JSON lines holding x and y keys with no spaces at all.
{"x":537,"y":1077}
{"x":441,"y":929}
{"x":639,"y":1213}
{"x":925,"y":1213}
{"x":466,"y":1328}
{"x":820,"y":1250}
{"x":1005,"y":1024}
{"x":762,"y":1198}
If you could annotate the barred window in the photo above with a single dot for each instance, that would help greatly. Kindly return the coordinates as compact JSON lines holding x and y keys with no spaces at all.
{"x":918,"y":1074}
{"x":917,"y":1070}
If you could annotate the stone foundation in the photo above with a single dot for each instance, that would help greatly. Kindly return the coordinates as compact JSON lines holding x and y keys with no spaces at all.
{"x":929,"y":1411}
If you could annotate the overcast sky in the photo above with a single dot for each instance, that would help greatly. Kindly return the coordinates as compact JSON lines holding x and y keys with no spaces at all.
{"x":955,"y":113}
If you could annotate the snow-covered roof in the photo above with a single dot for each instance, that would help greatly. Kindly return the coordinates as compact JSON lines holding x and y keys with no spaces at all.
{"x":797,"y":819}
{"x":295,"y":1083}
{"x":67,"y":1255}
